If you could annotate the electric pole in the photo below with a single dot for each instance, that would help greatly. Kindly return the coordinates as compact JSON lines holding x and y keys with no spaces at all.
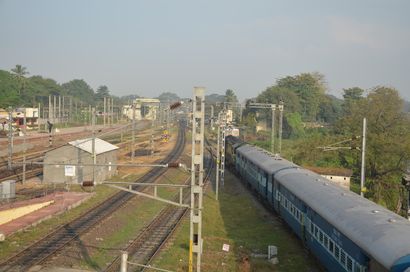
{"x":362,"y":174}
{"x":197,"y":172}
{"x":10,"y":140}
{"x":93,"y":143}
{"x":133,"y":132}
{"x":24,"y":144}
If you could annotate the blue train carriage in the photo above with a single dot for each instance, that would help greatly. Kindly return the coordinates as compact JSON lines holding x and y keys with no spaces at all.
{"x":257,"y":166}
{"x":345,"y":231}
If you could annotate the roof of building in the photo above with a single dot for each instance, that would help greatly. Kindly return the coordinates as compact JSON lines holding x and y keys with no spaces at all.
{"x":101,"y":146}
{"x":330,"y":171}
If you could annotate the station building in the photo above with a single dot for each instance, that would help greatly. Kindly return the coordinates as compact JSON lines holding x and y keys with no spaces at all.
{"x":76,"y":153}
{"x":339,"y":176}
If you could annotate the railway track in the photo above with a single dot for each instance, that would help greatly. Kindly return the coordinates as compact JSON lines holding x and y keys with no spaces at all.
{"x":154,"y":236}
{"x":38,"y":156}
{"x":49,"y":245}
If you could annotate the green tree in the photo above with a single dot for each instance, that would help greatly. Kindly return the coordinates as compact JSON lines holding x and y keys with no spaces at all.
{"x":351,"y":96}
{"x":38,"y":89}
{"x":79,"y":90}
{"x":294,"y":121}
{"x":310,"y":88}
{"x":20,"y":72}
{"x":9,"y":89}
{"x":102,"y":92}
{"x":330,"y":109}
{"x":230,"y":96}
{"x":388,"y":144}
{"x":275,"y":94}
{"x":168,"y":97}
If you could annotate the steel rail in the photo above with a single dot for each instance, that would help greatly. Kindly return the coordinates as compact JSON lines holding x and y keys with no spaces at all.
{"x":50,"y":244}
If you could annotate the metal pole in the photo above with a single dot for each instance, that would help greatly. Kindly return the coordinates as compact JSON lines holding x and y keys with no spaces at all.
{"x":38,"y":117}
{"x":24,"y":144}
{"x":133,"y":132}
{"x":124,"y":257}
{"x":212,"y":119}
{"x":112,"y":111}
{"x":280,"y":125}
{"x":222,"y":167}
{"x":240,"y":113}
{"x":63,"y":113}
{"x":54,"y":108}
{"x":217,"y":158}
{"x":105,"y":109}
{"x":90,"y":118}
{"x":197,"y":170}
{"x":10,"y":140}
{"x":93,"y":143}
{"x":59,"y":109}
{"x":49,"y":108}
{"x":272,"y":137}
{"x":70,"y":109}
{"x":362,"y":174}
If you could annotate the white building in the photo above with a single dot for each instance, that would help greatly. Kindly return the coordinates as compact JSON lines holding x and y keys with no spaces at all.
{"x":145,"y":109}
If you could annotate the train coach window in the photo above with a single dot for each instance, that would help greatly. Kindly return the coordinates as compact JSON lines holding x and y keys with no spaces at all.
{"x":326,"y":241}
{"x":311,"y":228}
{"x":321,"y":237}
{"x":337,"y":252}
{"x":331,"y":246}
{"x":349,"y":264}
{"x":342,"y":257}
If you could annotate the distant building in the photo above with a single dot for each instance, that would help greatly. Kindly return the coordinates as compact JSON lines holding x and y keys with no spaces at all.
{"x":145,"y":109}
{"x":80,"y":152}
{"x":340,"y":176}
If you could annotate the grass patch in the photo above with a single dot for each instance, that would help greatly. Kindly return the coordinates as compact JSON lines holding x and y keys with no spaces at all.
{"x":240,"y":221}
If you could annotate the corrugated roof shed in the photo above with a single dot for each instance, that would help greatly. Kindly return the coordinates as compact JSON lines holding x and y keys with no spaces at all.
{"x":101,"y":146}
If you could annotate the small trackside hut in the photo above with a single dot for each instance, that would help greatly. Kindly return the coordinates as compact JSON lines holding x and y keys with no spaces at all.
{"x":63,"y":164}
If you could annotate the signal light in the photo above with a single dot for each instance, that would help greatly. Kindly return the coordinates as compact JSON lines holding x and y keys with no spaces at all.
{"x":174,"y":165}
{"x":176,"y":105}
{"x":88,"y":183}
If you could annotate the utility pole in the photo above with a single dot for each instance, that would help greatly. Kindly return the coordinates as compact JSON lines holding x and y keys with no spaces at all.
{"x":133,"y":132}
{"x":362,"y":174}
{"x":280,"y":107}
{"x":218,"y":157}
{"x":64,"y":113}
{"x":105,"y":109}
{"x":197,"y":172}
{"x":24,"y":144}
{"x":222,"y":124}
{"x":10,"y":140}
{"x":38,"y":118}
{"x":212,"y":116}
{"x":220,"y":152}
{"x":59,"y":109}
{"x":54,"y":108}
{"x":93,"y":143}
{"x":272,"y":135}
{"x":112,"y":111}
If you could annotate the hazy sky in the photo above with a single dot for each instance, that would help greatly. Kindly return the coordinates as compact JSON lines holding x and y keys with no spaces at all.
{"x":148,"y":47}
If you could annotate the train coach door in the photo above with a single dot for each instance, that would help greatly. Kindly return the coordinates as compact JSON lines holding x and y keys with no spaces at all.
{"x":276,"y":195}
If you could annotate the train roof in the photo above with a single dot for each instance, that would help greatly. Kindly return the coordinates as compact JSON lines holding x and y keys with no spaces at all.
{"x":265,"y":160}
{"x":384,"y":235}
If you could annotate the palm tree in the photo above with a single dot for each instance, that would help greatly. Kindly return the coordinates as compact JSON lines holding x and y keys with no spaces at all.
{"x":20,"y":71}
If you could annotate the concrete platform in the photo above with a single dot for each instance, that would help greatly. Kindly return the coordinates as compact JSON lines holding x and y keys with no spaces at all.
{"x":63,"y":201}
